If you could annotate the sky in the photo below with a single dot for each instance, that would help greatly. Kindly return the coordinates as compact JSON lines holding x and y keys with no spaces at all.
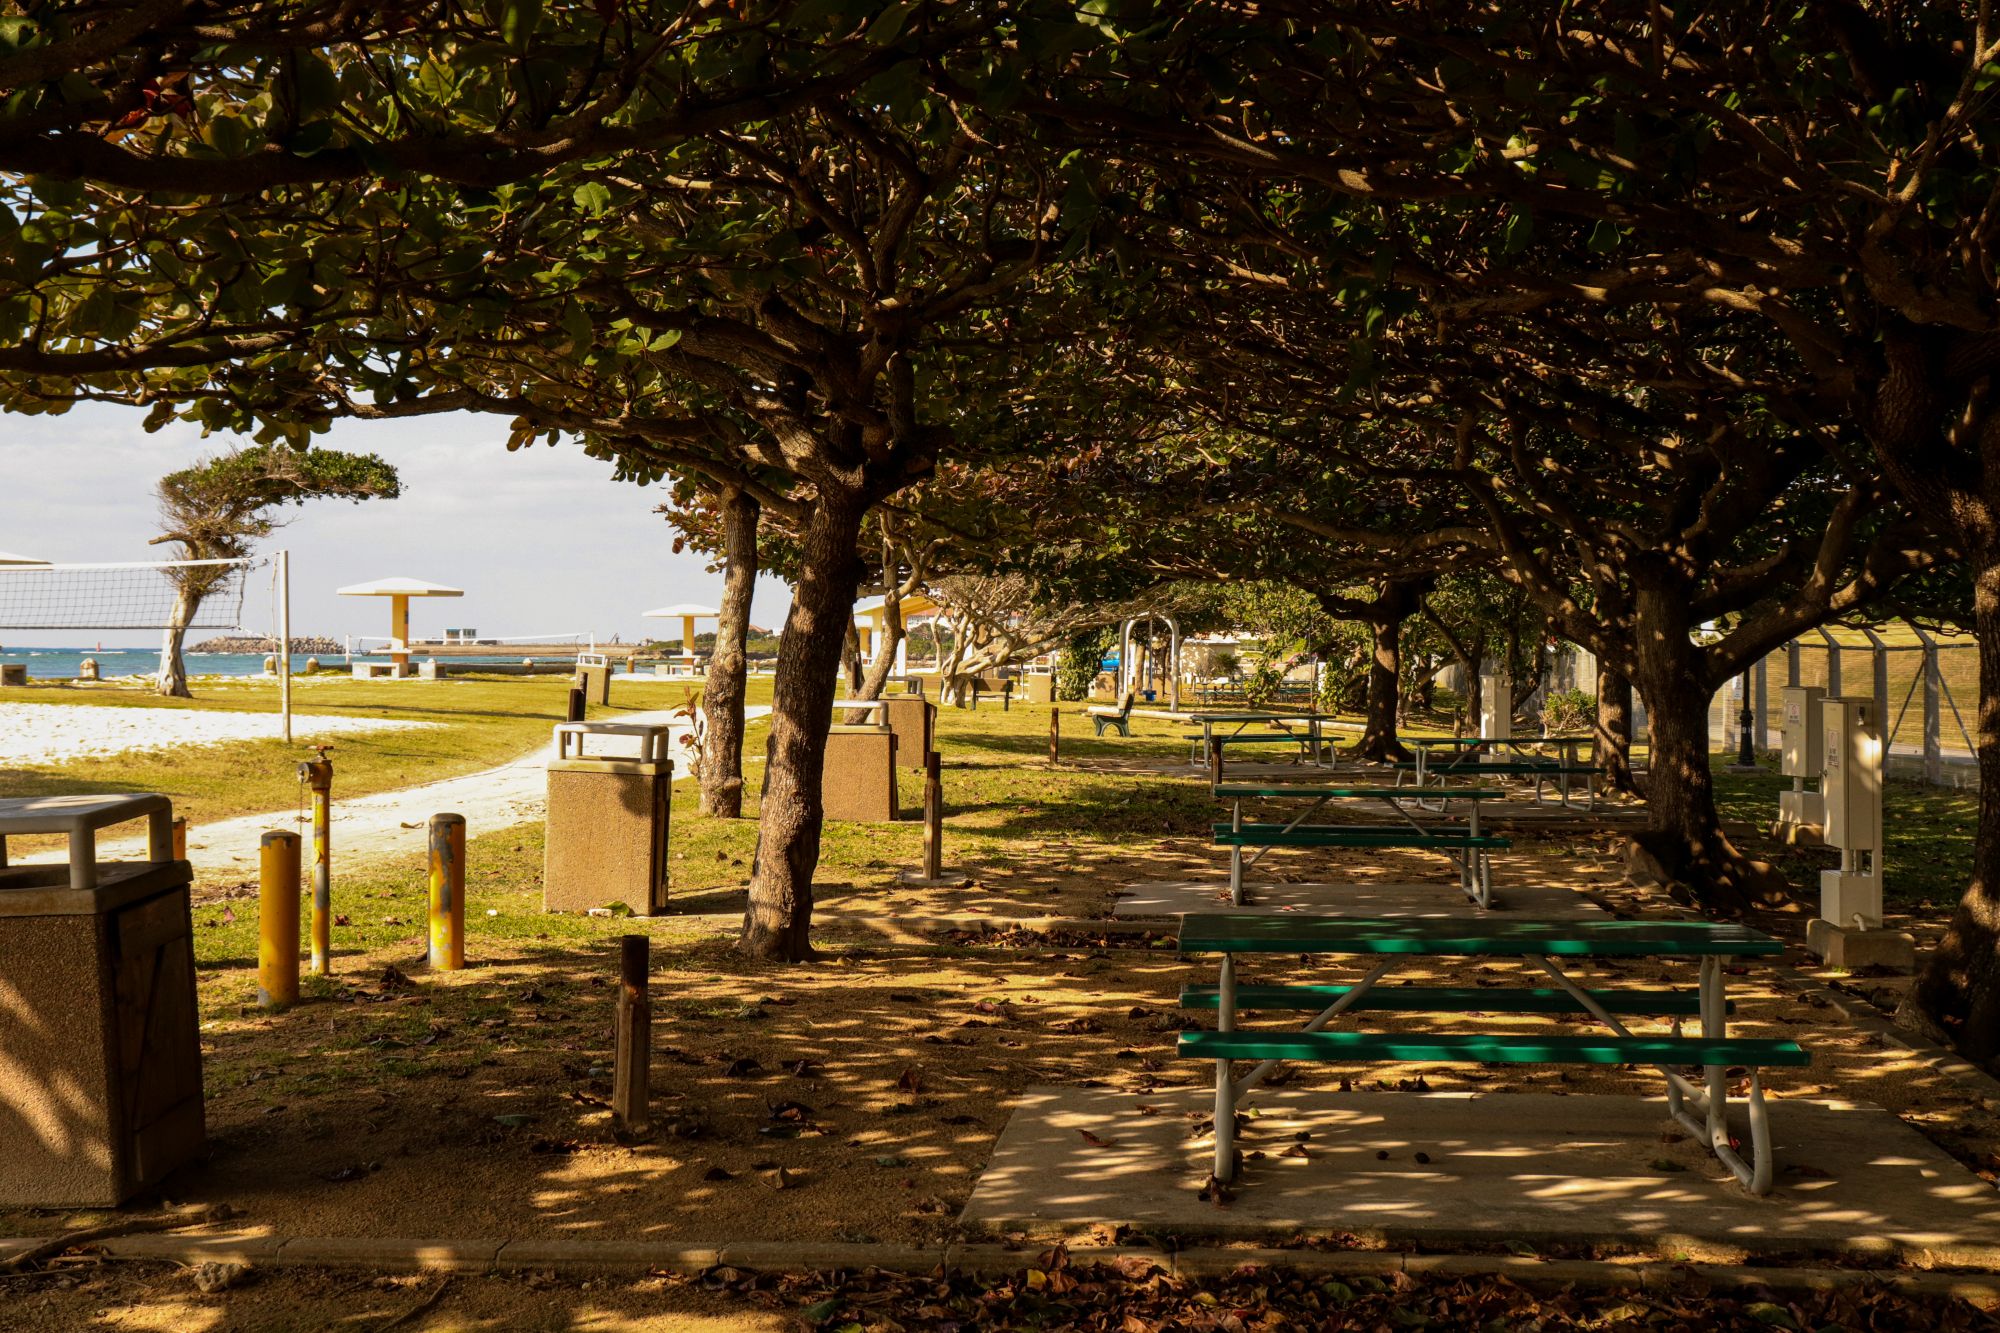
{"x":542,"y":541}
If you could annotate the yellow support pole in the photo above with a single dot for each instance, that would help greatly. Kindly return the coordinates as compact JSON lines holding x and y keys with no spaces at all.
{"x":278,"y":920}
{"x":447,"y":892}
{"x":317,"y":774}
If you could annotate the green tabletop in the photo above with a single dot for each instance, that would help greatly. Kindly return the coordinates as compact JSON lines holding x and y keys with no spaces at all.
{"x":1305,"y":715}
{"x":1216,"y":933}
{"x":1240,"y":789}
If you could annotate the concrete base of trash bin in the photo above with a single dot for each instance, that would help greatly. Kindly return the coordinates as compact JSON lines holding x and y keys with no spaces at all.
{"x":100,"y":1053}
{"x":606,"y":839}
{"x":914,"y":720}
{"x":379,"y":670}
{"x":596,"y":682}
{"x":858,"y":778}
{"x":13,"y":673}
{"x":1035,"y":689}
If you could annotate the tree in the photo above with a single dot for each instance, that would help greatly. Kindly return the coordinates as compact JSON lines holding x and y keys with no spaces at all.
{"x":217,"y":508}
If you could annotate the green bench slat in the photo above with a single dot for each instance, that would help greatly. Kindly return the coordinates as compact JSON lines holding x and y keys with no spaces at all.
{"x":1491,"y":1048}
{"x":1323,"y":835}
{"x":1521,"y":767}
{"x":1237,"y":932}
{"x":1450,"y":999}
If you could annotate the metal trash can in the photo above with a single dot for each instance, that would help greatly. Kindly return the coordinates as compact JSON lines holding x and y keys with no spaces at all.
{"x":100,"y":1047}
{"x":607,"y":823}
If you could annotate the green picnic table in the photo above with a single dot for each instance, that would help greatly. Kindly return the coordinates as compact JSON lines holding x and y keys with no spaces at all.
{"x":1471,"y":756}
{"x":1467,"y":847}
{"x":1211,"y":724}
{"x":1388,"y":943}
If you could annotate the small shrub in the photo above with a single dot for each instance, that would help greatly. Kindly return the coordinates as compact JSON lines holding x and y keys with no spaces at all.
{"x":1569,"y":710}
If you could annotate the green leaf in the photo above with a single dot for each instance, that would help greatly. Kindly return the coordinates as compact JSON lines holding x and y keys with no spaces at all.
{"x":518,"y":21}
{"x":888,"y":25}
{"x":1764,"y":1312}
{"x":821,"y":1311}
{"x":593,"y":197}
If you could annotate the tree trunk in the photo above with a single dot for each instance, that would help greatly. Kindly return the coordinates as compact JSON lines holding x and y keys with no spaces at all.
{"x":778,"y":921}
{"x":850,"y":654}
{"x":722,"y":696}
{"x":1614,"y":730}
{"x":878,"y":671}
{"x":173,"y":666}
{"x":1959,"y":986}
{"x":1685,"y":838}
{"x":1394,"y":604}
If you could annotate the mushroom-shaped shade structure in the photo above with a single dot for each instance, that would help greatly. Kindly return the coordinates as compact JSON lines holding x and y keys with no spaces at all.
{"x":687,"y":613}
{"x":9,"y":558}
{"x":399,"y":591}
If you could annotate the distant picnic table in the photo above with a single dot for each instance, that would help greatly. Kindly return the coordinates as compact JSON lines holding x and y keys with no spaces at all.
{"x":1388,"y":944}
{"x":1441,"y":757}
{"x":1464,"y":845}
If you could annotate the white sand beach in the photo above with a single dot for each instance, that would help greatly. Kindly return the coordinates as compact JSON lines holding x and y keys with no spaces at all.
{"x":51,"y":733}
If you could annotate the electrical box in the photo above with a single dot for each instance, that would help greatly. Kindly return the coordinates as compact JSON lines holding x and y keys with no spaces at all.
{"x":1496,"y":706}
{"x":1804,"y":750}
{"x":1852,"y":786}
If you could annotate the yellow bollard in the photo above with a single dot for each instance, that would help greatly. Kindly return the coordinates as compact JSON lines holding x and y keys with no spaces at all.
{"x":447,"y":892}
{"x":278,"y":920}
{"x":318,"y":775}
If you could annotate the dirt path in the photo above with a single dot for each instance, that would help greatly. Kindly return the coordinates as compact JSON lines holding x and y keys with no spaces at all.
{"x":390,"y":823}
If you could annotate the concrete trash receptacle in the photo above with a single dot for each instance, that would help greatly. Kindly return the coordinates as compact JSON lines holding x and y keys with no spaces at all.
{"x":593,"y":672}
{"x":914,"y":720}
{"x":607,"y":822}
{"x":13,"y":673}
{"x":100,"y":1049}
{"x":858,"y":777}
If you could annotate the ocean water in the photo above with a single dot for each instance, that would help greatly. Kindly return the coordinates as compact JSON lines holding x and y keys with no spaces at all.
{"x":62,"y":663}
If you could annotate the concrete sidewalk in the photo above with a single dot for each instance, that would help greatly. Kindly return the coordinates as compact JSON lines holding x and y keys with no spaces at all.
{"x":1519,"y":1168}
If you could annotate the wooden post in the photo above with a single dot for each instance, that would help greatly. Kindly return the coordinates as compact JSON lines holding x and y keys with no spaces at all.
{"x":1055,"y":736}
{"x":574,"y":713}
{"x":179,"y":836}
{"x":1215,"y":761}
{"x":278,"y":919}
{"x":631,"y":1073}
{"x":447,"y":892}
{"x":933,"y":816}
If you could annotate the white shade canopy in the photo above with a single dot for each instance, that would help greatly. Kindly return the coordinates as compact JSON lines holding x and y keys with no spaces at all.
{"x":399,"y":587}
{"x":685,"y":611}
{"x":9,"y":558}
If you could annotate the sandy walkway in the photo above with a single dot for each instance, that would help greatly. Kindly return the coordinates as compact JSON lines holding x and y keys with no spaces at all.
{"x":386,"y":823}
{"x":51,"y":733}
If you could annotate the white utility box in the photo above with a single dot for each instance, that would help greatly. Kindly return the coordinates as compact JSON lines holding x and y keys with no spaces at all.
{"x":1496,"y":706}
{"x":1802,"y":757}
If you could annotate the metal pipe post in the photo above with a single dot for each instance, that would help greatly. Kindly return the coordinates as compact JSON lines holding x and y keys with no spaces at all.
{"x":1055,"y":735}
{"x":317,"y":774}
{"x":278,"y":919}
{"x":574,"y":712}
{"x":631,"y":1072}
{"x":284,"y":572}
{"x":933,"y":816}
{"x":447,"y":892}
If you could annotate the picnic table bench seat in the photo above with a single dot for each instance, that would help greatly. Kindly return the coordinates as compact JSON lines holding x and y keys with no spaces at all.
{"x":1493,"y":1048}
{"x":1450,"y":999}
{"x":1351,"y":835}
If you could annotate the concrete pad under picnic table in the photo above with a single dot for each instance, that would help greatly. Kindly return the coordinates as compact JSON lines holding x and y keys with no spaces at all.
{"x":1154,"y":899}
{"x":1532,"y":1169}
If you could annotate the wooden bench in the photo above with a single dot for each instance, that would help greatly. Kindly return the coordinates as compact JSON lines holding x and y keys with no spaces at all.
{"x":1470,"y":852}
{"x":1549,"y":944}
{"x":1119,"y":719}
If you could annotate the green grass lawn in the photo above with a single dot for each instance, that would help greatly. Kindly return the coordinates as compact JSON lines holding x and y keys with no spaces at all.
{"x":488,"y":720}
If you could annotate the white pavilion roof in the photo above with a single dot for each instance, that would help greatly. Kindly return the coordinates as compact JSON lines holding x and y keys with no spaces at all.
{"x":9,"y":558}
{"x":678,"y":609}
{"x":399,"y":587}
